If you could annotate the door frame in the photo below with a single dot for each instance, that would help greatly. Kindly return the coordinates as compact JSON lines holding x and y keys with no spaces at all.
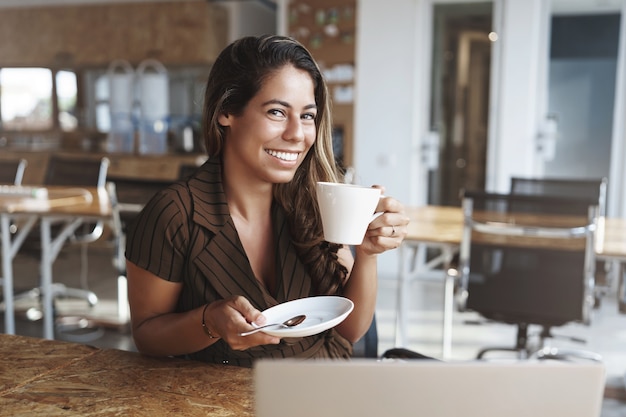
{"x":617,"y":184}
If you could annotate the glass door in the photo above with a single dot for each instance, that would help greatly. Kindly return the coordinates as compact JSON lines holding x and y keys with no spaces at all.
{"x":460,"y":90}
{"x":582,"y":85}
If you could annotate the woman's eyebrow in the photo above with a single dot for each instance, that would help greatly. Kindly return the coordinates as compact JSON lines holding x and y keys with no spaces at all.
{"x":285,"y":104}
{"x":277,"y":101}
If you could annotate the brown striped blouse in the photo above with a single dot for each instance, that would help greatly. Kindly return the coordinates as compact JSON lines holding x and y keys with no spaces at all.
{"x":185,"y":234}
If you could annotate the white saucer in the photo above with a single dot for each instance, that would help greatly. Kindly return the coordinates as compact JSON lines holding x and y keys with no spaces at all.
{"x":322,"y":313}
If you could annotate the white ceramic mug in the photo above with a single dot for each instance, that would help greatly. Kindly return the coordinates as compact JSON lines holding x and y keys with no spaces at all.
{"x":346,"y":211}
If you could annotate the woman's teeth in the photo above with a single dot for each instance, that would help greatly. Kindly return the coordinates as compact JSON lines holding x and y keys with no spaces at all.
{"x":285,"y":156}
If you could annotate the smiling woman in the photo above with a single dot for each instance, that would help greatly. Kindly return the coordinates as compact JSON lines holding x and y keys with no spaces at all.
{"x":209,"y":255}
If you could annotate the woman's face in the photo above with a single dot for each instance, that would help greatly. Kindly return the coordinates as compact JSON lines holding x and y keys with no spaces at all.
{"x":270,"y":139}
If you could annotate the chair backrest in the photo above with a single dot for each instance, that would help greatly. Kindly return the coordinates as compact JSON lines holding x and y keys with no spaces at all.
{"x":12,"y":171}
{"x":70,"y":171}
{"x":138,"y":191}
{"x":562,"y":187}
{"x":527,"y":259}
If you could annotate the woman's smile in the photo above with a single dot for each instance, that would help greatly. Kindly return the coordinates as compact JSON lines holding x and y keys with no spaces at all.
{"x":282,"y":155}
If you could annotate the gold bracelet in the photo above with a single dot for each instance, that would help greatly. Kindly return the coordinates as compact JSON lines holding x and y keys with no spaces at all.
{"x":205,"y":327}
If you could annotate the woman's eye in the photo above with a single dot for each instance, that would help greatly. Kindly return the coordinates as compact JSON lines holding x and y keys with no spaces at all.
{"x":308,"y":116}
{"x":277,"y":113}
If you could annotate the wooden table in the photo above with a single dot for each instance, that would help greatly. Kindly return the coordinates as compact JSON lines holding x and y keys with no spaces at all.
{"x":44,"y":378}
{"x":72,"y":206}
{"x":441,"y":227}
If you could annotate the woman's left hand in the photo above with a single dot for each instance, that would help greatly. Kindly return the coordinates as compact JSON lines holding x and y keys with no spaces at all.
{"x":388,"y":230}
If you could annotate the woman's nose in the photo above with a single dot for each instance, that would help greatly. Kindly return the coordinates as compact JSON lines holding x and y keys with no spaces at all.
{"x":294,"y":130}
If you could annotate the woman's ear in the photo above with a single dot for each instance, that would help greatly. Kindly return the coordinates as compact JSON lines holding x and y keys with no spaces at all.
{"x":224,"y":119}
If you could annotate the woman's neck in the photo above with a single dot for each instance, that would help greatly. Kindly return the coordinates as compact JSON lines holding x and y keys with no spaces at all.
{"x":247,"y":199}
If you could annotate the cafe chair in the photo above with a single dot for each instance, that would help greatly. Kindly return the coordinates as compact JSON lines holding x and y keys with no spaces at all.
{"x":12,"y":171}
{"x":72,"y":172}
{"x":404,"y":354}
{"x":595,"y":188}
{"x":79,"y":172}
{"x":118,"y":238}
{"x":528,"y":261}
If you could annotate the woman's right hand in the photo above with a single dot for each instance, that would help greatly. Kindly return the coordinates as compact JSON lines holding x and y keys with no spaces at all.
{"x":158,"y":330}
{"x":229,"y":317}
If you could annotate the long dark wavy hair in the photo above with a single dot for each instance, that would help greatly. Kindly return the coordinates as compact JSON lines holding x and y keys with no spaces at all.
{"x":235,"y":78}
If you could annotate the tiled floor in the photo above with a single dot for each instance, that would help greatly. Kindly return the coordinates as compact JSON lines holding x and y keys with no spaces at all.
{"x":606,"y":335}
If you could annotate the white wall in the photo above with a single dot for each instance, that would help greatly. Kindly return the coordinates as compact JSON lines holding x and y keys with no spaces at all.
{"x":617,"y":191}
{"x":515,"y":99}
{"x":384,"y":102}
{"x":384,"y":135}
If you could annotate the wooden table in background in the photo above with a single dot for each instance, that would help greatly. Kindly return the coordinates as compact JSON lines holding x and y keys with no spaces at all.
{"x":70,"y":205}
{"x":42,"y":378}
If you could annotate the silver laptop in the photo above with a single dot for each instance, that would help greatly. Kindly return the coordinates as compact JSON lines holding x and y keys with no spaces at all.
{"x":364,"y":388}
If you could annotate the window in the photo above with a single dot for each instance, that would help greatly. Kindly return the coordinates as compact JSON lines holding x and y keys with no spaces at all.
{"x":26,"y":98}
{"x":66,"y":99}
